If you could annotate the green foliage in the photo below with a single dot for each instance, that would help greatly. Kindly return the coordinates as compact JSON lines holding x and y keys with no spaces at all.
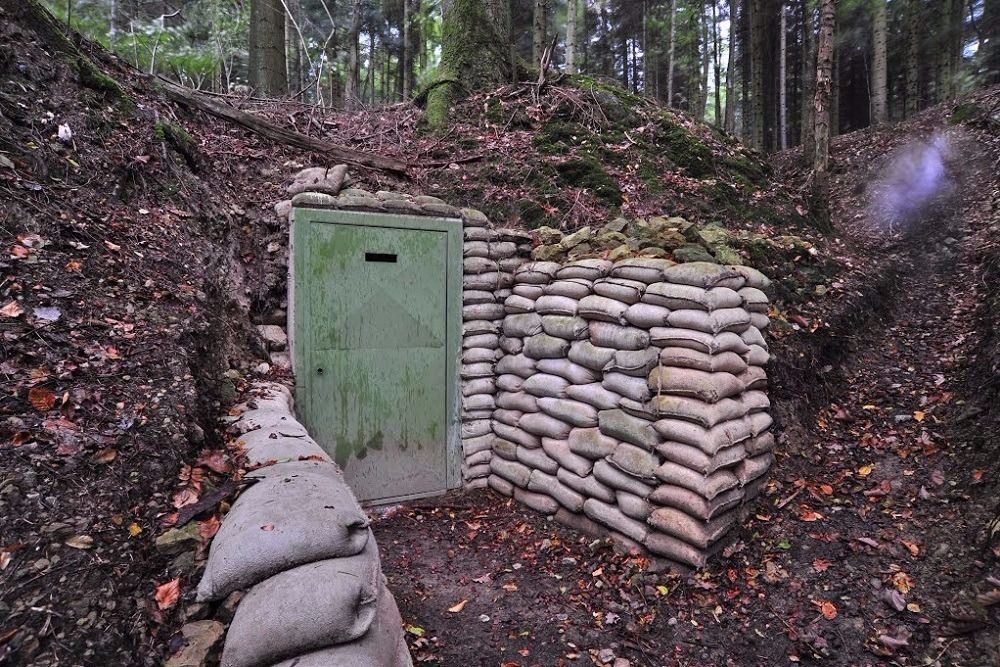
{"x":587,"y":172}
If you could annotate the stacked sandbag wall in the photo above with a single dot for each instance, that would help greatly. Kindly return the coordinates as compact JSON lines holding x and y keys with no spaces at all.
{"x":490,"y":258}
{"x":299,"y":545}
{"x":630,"y":399}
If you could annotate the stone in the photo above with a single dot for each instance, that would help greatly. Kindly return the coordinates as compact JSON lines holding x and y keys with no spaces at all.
{"x":305,"y":178}
{"x":616,"y":225}
{"x":620,"y":252}
{"x":356,"y":192}
{"x":726,"y":255}
{"x":283,"y":208}
{"x":319,"y":179}
{"x":401,"y":206}
{"x":606,"y":240}
{"x":472,"y":218}
{"x":570,"y":241}
{"x":177,"y":540}
{"x":274,"y":336}
{"x":442,"y":210}
{"x":711,"y":235}
{"x":548,"y":235}
{"x":281,"y":361}
{"x":653,"y":251}
{"x":670,"y":239}
{"x":427,"y":199}
{"x":366,"y":203}
{"x":546,"y":253}
{"x":581,"y":251}
{"x":317,"y":199}
{"x":201,"y":637}
{"x":386,"y":195}
{"x":691,"y":252}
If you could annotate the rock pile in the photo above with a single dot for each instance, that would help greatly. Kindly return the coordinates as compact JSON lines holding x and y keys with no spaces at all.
{"x":630,"y":398}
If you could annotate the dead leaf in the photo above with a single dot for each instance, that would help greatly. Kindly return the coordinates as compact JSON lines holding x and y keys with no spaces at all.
{"x":134,"y":529}
{"x":185,"y":496}
{"x":42,"y":398}
{"x":828,"y":609}
{"x":866,"y":469}
{"x":903,"y":582}
{"x":168,"y":593}
{"x":80,"y":542}
{"x":821,"y":564}
{"x":209,"y":527}
{"x":105,"y":455}
{"x":919,"y":415}
{"x":458,"y":606}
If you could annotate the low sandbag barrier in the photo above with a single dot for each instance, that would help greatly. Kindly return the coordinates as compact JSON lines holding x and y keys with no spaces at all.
{"x":299,"y":544}
{"x":631,"y":399}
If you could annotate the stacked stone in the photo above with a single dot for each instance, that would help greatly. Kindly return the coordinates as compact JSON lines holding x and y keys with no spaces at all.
{"x":490,"y":258}
{"x":630,"y":399}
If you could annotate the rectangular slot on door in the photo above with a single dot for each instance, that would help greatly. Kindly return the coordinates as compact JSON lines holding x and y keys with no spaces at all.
{"x":380,"y":257}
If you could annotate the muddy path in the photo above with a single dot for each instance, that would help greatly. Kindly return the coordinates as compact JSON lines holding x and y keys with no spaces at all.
{"x":869,"y":547}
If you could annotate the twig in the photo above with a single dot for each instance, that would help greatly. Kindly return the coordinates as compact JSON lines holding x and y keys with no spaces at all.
{"x":790,"y":498}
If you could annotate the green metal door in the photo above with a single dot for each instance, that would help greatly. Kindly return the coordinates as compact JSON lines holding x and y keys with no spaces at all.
{"x":376,"y":345}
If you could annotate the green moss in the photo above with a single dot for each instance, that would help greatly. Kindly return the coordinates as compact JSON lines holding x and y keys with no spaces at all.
{"x":587,"y":172}
{"x":684,"y":149}
{"x":531,"y":214}
{"x":556,"y":135}
{"x":746,"y":169}
{"x":650,"y":174}
{"x":964,"y":113}
{"x":494,"y":111}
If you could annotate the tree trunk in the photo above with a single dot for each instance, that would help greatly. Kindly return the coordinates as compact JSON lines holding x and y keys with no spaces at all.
{"x":267,"y":75}
{"x":913,"y":56}
{"x":538,"y":31}
{"x":571,"y":7}
{"x":730,"y":124}
{"x":782,"y":78}
{"x":824,"y":69}
{"x":989,"y":26}
{"x":670,"y":53}
{"x":879,"y":64}
{"x":716,"y":62}
{"x":353,"y":82}
{"x":294,"y":44}
{"x":475,"y":53}
{"x":408,"y":48}
{"x":756,"y":110}
{"x":703,"y":98}
{"x":808,"y":79}
{"x":834,"y":92}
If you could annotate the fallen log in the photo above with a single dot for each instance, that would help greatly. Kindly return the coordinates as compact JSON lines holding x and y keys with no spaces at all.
{"x":335,"y":152}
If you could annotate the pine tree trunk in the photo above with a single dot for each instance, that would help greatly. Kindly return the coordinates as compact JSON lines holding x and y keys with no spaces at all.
{"x":353,"y":82}
{"x":913,"y":56}
{"x":824,"y":69}
{"x":266,"y":68}
{"x":571,"y":7}
{"x":538,"y":31}
{"x":408,"y":48}
{"x":716,"y":63}
{"x":989,"y":26}
{"x":879,"y":65}
{"x":756,"y":110}
{"x":807,"y":138}
{"x":730,"y":124}
{"x":703,"y":98}
{"x":782,"y":78}
{"x":670,"y":53}
{"x":294,"y":45}
{"x":475,"y":53}
{"x":835,"y":92}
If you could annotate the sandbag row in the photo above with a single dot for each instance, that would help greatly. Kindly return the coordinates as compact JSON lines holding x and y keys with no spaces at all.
{"x":297,"y":541}
{"x":632,"y":396}
{"x":490,"y":258}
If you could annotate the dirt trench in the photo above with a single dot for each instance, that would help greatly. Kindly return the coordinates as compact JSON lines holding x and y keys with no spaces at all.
{"x":869,"y":548}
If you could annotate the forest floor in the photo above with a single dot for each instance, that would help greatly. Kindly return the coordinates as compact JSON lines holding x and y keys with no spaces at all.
{"x":871,"y":545}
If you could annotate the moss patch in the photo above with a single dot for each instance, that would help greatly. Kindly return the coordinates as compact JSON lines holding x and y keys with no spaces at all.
{"x":587,"y":172}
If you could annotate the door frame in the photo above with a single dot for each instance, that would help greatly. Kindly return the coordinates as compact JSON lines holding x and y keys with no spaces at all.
{"x":299,"y":316}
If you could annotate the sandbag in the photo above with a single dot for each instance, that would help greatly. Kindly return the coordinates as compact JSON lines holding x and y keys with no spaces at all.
{"x":616,"y":479}
{"x":510,"y":382}
{"x":544,"y":426}
{"x":514,"y":472}
{"x":502,"y":294}
{"x":546,"y":385}
{"x":515,"y":305}
{"x":502,"y":249}
{"x":756,"y":401}
{"x":708,"y":440}
{"x":516,"y":435}
{"x":624,"y":427}
{"x":516,"y":364}
{"x":633,"y":506}
{"x":706,"y":486}
{"x":695,"y":410}
{"x":476,"y":428}
{"x":472,"y":446}
{"x":634,"y":362}
{"x":486,"y":281}
{"x":760,"y":321}
{"x":714,"y":322}
{"x":602,"y":309}
{"x":537,"y":459}
{"x":594,"y":394}
{"x":480,"y":355}
{"x":613,"y":518}
{"x":671,"y":495}
{"x":522,"y":325}
{"x":544,"y":346}
{"x":683,"y":357}
{"x":472,"y":297}
{"x":698,"y":532}
{"x":303,"y":609}
{"x":753,"y":277}
{"x":564,"y":368}
{"x":478,"y":402}
{"x":645,"y":315}
{"x":472,"y":415}
{"x":620,"y":289}
{"x":697,"y":340}
{"x":754,"y":300}
{"x":581,"y":524}
{"x":475,"y":470}
{"x":500,"y":485}
{"x":708,"y":387}
{"x":562,"y":326}
{"x":588,"y":269}
{"x":754,"y":467}
{"x":678,"y":297}
{"x":488,"y":341}
{"x":472,"y":266}
{"x":529,"y":291}
{"x":559,"y":451}
{"x":591,"y":443}
{"x":536,"y":273}
{"x":753,"y":336}
{"x":271,"y":417}
{"x":478,"y":234}
{"x":668,"y":546}
{"x":704,"y":274}
{"x":637,"y":409}
{"x":691,"y":457}
{"x":556,"y":305}
{"x":574,"y":289}
{"x":569,"y":411}
{"x":474,"y":327}
{"x":268,"y":446}
{"x":475,"y":249}
{"x":759,"y":422}
{"x":587,"y":486}
{"x":590,"y":356}
{"x":540,"y":502}
{"x":511,"y":346}
{"x":605,"y":334}
{"x":634,"y":460}
{"x":315,"y":516}
{"x":480,"y":386}
{"x":541,"y":482}
{"x":508,"y":417}
{"x":504,"y":449}
{"x":643,"y":269}
{"x":629,"y":386}
{"x":757,"y":356}
{"x":382,"y":646}
{"x":760,"y":444}
{"x":518,"y":400}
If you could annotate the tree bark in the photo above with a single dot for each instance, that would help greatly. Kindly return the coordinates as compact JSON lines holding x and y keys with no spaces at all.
{"x":989,"y":26}
{"x":475,"y":53}
{"x":879,"y":65}
{"x":353,"y":82}
{"x":408,"y":48}
{"x":716,"y":62}
{"x":267,"y":74}
{"x":670,"y":53}
{"x":782,"y":78}
{"x":913,"y":56}
{"x":571,"y":30}
{"x":808,"y":79}
{"x":294,"y":45}
{"x":756,"y":110}
{"x":824,"y":69}
{"x":730,"y":124}
{"x":703,"y":97}
{"x":538,"y":31}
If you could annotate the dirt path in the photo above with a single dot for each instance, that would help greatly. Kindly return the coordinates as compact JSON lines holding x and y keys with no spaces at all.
{"x":868,"y":548}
